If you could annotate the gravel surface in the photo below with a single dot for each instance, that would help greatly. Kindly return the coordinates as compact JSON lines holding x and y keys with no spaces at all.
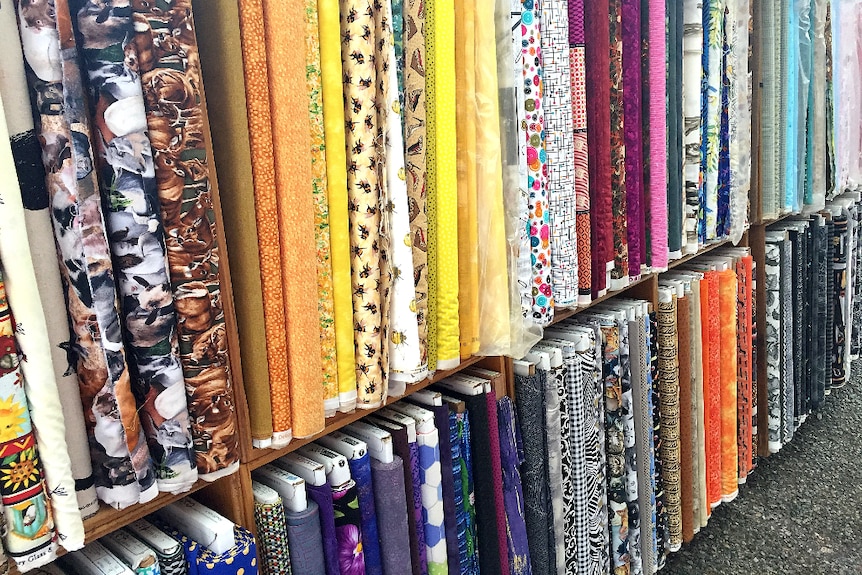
{"x":801,"y":509}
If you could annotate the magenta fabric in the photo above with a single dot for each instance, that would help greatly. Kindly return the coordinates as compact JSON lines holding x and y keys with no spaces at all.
{"x":497,"y":473}
{"x":657,"y":134}
{"x":631,"y":32}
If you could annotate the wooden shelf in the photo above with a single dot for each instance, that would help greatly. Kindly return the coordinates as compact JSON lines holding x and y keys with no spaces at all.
{"x":260,"y":457}
{"x":566,"y":313}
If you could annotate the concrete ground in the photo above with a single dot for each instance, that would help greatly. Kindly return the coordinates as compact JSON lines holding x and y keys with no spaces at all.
{"x":800,"y":511}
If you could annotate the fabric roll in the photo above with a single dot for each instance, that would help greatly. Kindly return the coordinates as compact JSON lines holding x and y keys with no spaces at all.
{"x":692,"y":47}
{"x":553,"y":434}
{"x":322,"y":496}
{"x":468,"y":230}
{"x":815,"y":189}
{"x":829,"y":303}
{"x":662,"y":534}
{"x":630,"y":33}
{"x":755,"y":450}
{"x":305,"y":540}
{"x":366,"y":188}
{"x":745,"y":364}
{"x":462,"y":560}
{"x":433,"y":514}
{"x":599,"y":143}
{"x":532,"y":122}
{"x":495,"y":308}
{"x":389,"y":500}
{"x":788,"y":376}
{"x":442,"y":176}
{"x":297,"y":212}
{"x":26,"y":154}
{"x":790,"y":104}
{"x":711,"y":338}
{"x":415,"y":146}
{"x":773,"y":343}
{"x":29,"y":538}
{"x":136,"y":239}
{"x":520,"y":560}
{"x":469,"y":556}
{"x":32,"y":337}
{"x":557,"y":98}
{"x":271,"y":531}
{"x":659,"y":156}
{"x":530,"y":400}
{"x":620,"y":271}
{"x":336,"y":195}
{"x":348,"y":528}
{"x":729,"y":451}
{"x":242,"y":558}
{"x":713,"y":30}
{"x":361,"y":473}
{"x":697,"y":445}
{"x":409,"y":454}
{"x":266,"y":213}
{"x":221,"y":63}
{"x":187,"y":215}
{"x":110,"y":448}
{"x":577,"y":61}
{"x":676,"y":153}
{"x":683,"y":311}
{"x":838,"y":271}
{"x":405,"y":356}
{"x":669,"y":409}
{"x":722,"y":215}
{"x":326,"y":297}
{"x":820,"y":269}
{"x":769,"y":130}
{"x":496,"y":468}
{"x":740,"y":116}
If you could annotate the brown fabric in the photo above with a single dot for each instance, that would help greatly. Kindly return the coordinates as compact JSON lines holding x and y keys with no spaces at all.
{"x":686,"y":480}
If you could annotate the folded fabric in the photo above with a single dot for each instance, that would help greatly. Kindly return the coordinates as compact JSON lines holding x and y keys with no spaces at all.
{"x":305,"y":540}
{"x":271,"y":531}
{"x":520,"y":561}
{"x":389,"y":490}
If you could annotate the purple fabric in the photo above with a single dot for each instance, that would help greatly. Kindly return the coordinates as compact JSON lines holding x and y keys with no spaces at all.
{"x":348,"y":529}
{"x":417,"y":507}
{"x":450,"y":519}
{"x":631,"y":32}
{"x":415,"y":526}
{"x":305,"y":541}
{"x":389,"y":491}
{"x":360,"y":471}
{"x":576,"y":22}
{"x":322,"y":495}
{"x":497,"y":475}
{"x":513,"y":495}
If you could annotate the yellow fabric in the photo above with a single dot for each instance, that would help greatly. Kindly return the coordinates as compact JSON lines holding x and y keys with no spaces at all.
{"x":440,"y":38}
{"x":336,"y":185}
{"x":493,"y":287}
{"x":468,"y":240}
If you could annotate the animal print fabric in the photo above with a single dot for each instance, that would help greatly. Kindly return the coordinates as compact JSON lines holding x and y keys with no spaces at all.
{"x":171,"y":78}
{"x":620,"y":272}
{"x":116,"y":441}
{"x":136,"y":237}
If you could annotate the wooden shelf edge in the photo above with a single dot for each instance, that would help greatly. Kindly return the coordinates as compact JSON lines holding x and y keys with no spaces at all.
{"x":260,"y":457}
{"x":566,"y":313}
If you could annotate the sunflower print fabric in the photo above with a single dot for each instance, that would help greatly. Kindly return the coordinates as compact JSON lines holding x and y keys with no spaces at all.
{"x":29,"y":536}
{"x":121,"y":459}
{"x":171,"y":78}
{"x":127,"y":181}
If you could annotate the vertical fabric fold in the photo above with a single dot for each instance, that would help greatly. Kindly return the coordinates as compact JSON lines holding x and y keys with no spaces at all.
{"x":657,"y":120}
{"x":619,"y":219}
{"x":632,"y":83}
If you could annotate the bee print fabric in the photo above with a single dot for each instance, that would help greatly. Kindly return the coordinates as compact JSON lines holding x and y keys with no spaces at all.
{"x":121,"y":460}
{"x":29,"y":537}
{"x":127,"y":182}
{"x":172,"y":94}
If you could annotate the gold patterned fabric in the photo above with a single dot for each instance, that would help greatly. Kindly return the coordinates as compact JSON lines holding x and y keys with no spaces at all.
{"x":668,"y":364}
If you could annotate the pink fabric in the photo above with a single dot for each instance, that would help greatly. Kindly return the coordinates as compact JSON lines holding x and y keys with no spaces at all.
{"x":493,"y":424}
{"x":657,"y":135}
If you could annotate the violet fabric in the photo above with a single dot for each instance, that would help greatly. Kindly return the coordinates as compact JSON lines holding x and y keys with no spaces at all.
{"x":513,"y":495}
{"x":496,"y":469}
{"x":322,"y":495}
{"x":657,"y":60}
{"x":360,"y":471}
{"x":305,"y":541}
{"x":348,"y":529}
{"x":631,"y":33}
{"x":415,"y":526}
{"x":389,"y":490}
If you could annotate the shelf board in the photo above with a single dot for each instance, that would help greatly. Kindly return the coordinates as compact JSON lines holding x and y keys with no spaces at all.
{"x":261,"y":457}
{"x":562,"y":314}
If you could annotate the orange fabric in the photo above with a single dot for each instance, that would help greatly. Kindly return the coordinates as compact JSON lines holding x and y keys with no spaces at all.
{"x":729,"y":453}
{"x":712,"y":385}
{"x":291,"y":141}
{"x":266,"y":208}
